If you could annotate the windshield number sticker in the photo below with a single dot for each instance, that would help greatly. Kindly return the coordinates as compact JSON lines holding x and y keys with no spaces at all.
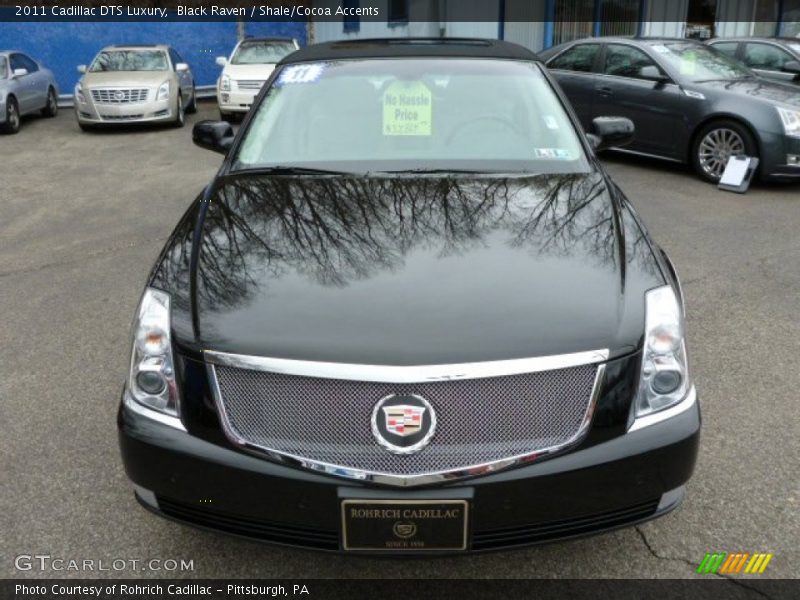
{"x":550,"y":121}
{"x":407,"y":109}
{"x":301,"y":74}
{"x":552,"y":153}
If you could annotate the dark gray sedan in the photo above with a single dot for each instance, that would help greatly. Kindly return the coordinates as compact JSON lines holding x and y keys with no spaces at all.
{"x":689,"y":102}
{"x":775,"y":58}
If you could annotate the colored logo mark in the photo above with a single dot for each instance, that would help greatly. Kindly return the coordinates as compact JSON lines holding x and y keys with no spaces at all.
{"x":734,"y":563}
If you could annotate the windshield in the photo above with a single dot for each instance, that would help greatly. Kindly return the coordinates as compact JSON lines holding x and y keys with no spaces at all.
{"x":130,"y":60}
{"x":3,"y":67}
{"x":413,"y":114}
{"x":261,"y":52}
{"x":697,"y":63}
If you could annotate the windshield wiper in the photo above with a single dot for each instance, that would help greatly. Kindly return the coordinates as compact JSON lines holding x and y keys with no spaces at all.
{"x":742,"y":78}
{"x":290,"y":170}
{"x":434,"y":171}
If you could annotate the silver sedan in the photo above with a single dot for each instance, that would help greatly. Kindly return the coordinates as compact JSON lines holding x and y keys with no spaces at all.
{"x":126,"y":84}
{"x":25,"y":87}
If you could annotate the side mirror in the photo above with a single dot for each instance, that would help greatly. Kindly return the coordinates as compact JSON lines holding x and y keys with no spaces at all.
{"x":222,"y":61}
{"x":81,"y":68}
{"x":216,"y":136}
{"x":608,"y":132}
{"x":182,"y":67}
{"x":19,"y":73}
{"x":793,"y":66}
{"x":652,"y":73}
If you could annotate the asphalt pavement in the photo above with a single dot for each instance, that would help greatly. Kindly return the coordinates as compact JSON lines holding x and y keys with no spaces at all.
{"x":83,"y":217}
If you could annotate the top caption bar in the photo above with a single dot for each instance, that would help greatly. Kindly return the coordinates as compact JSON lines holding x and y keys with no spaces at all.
{"x":388,"y":11}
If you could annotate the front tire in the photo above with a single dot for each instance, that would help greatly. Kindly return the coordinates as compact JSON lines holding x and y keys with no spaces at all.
{"x":716,"y":143}
{"x":180,"y":110}
{"x":192,"y":108}
{"x":13,"y":120}
{"x":51,"y":108}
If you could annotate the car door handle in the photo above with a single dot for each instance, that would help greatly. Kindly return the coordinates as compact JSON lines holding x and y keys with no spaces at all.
{"x":605,"y":91}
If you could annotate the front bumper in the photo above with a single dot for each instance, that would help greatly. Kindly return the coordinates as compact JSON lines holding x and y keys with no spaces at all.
{"x":628,"y":479}
{"x":776,"y":148}
{"x":143,"y":112}
{"x":235,"y":101}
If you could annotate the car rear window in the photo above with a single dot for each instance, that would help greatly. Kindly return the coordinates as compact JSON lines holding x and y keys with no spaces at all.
{"x":389,"y":114}
{"x":578,"y":58}
{"x":261,"y":52}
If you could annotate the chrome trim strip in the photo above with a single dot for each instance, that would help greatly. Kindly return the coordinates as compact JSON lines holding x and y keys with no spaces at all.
{"x":142,"y":410}
{"x":646,"y":154}
{"x":390,"y":479}
{"x":647,"y":420}
{"x":410,"y":374}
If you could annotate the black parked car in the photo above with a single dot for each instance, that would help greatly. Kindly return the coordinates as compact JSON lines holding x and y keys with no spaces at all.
{"x":775,"y":58}
{"x":689,"y":102}
{"x":411,"y":313}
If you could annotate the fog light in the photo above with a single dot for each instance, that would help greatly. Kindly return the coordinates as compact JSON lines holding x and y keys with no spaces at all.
{"x":150,"y":382}
{"x":793,"y":160}
{"x":666,"y":382}
{"x":225,"y":98}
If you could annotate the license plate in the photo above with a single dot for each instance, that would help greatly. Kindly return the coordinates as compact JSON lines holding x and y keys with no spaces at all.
{"x":405,"y":525}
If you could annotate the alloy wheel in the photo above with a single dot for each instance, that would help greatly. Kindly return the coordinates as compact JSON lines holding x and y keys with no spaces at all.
{"x":716,"y":148}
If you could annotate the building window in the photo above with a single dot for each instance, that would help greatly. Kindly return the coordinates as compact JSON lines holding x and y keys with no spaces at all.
{"x":351,"y":24}
{"x":619,"y":17}
{"x":398,"y":12}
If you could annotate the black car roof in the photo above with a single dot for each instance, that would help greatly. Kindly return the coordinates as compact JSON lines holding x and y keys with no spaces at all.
{"x":410,"y":47}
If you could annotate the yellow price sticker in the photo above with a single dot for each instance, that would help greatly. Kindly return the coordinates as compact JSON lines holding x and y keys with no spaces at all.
{"x":688,"y":63}
{"x":407,"y":109}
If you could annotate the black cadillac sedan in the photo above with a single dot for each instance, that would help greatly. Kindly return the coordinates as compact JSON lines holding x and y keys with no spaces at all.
{"x":411,"y":313}
{"x":690,"y":103}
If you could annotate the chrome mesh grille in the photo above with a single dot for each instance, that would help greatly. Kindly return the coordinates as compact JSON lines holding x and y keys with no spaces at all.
{"x":121,"y":117}
{"x":249,"y":84}
{"x":478,"y":420}
{"x":119,"y":96}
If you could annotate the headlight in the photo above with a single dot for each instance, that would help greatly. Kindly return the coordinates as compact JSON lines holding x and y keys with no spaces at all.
{"x":790,"y":120}
{"x":163,"y":91}
{"x":664,"y":379}
{"x":152,"y":375}
{"x":225,"y":83}
{"x":79,"y":94}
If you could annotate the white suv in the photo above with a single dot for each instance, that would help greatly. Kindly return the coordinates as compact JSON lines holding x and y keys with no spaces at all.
{"x":250,"y":65}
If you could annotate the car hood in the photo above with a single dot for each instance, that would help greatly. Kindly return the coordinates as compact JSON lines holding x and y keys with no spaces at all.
{"x":772,"y":92}
{"x":126,"y":78}
{"x":257,"y":72}
{"x":409,"y":271}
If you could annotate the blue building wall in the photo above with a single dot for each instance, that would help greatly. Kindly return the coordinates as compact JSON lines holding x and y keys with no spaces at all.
{"x":61,"y":47}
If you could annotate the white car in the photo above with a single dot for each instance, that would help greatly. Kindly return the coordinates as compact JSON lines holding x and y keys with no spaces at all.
{"x":245,"y":72}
